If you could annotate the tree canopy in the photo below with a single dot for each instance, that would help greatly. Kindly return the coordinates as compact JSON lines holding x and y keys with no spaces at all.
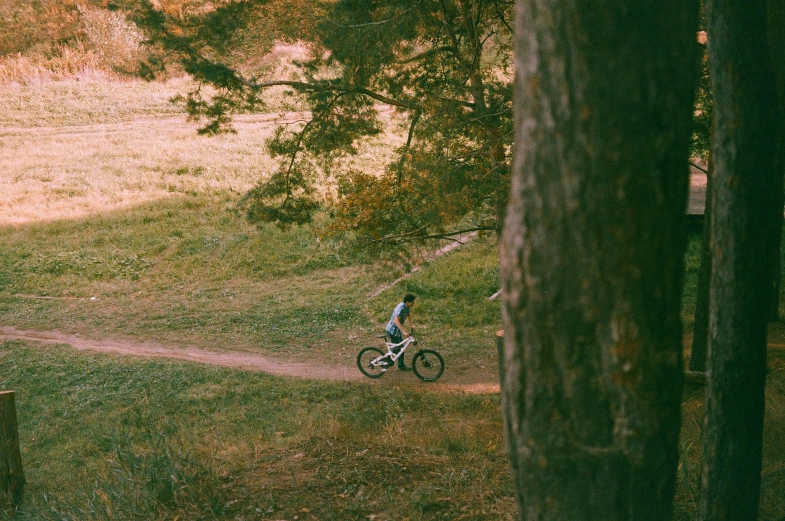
{"x":443,"y":66}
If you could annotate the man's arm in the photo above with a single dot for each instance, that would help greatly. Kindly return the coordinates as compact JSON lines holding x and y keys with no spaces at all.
{"x":397,"y":322}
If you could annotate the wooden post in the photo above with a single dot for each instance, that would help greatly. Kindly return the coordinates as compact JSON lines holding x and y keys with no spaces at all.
{"x":12,"y":479}
{"x":500,"y":353}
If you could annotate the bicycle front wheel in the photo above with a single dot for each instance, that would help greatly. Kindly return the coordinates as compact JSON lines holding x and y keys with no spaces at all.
{"x":372,"y":363}
{"x":428,"y":365}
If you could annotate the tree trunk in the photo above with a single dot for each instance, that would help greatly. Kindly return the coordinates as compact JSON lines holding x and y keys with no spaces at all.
{"x":776,"y":39}
{"x":744,"y":149}
{"x":592,"y":256}
{"x":700,"y":330}
{"x":775,"y":255}
{"x":11,"y":476}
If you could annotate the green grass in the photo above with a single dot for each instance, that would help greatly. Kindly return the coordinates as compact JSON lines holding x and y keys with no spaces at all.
{"x":111,"y":438}
{"x":691,"y":266}
{"x":190,"y":271}
{"x":772,"y":506}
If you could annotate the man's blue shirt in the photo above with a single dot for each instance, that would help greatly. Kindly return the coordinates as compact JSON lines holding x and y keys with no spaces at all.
{"x":401,"y":311}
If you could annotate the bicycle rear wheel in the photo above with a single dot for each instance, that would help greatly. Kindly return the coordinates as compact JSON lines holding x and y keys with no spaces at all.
{"x":428,"y":365}
{"x":371,"y":363}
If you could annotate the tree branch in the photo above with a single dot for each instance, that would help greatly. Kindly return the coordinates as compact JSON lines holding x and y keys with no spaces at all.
{"x":450,"y":31}
{"x":413,"y":235}
{"x":699,"y":168}
{"x":415,"y":119}
{"x":370,"y":24}
{"x":300,"y":138}
{"x":302,"y":85}
{"x":500,"y":13}
{"x":430,"y":52}
{"x":387,"y":100}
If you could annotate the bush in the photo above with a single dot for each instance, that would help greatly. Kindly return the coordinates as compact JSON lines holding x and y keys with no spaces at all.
{"x":116,"y":39}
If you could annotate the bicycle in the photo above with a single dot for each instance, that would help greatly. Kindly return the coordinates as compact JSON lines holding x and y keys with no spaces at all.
{"x":427,"y":364}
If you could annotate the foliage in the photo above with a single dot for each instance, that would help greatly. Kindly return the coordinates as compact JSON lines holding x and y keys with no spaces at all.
{"x":704,"y":106}
{"x":443,"y":66}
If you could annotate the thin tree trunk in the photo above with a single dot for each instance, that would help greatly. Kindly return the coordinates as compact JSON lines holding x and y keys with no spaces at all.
{"x":775,"y":255}
{"x":700,"y":330}
{"x":744,"y":146}
{"x":776,"y":39}
{"x":592,"y":256}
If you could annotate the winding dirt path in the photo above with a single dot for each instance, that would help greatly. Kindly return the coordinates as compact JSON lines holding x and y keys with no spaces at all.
{"x":243,"y":361}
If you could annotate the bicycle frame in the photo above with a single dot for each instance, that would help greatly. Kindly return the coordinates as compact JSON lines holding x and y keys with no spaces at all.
{"x":427,"y":364}
{"x":409,"y":340}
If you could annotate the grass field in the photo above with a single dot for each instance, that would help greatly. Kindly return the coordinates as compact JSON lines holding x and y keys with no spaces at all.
{"x":157,"y":440}
{"x":188,"y":270}
{"x":119,"y":222}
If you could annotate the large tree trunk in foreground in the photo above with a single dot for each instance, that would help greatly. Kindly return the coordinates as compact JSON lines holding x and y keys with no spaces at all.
{"x":592,"y":256}
{"x":744,"y":174}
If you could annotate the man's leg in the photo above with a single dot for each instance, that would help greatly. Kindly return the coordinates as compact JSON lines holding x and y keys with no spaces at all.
{"x":397,"y":340}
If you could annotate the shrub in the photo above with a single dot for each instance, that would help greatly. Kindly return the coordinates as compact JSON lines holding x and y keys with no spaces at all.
{"x":116,"y":39}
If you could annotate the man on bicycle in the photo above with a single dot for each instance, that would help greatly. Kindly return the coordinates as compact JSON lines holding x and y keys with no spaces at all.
{"x":395,"y":327}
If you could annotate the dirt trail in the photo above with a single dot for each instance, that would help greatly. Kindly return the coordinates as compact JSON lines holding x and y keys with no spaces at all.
{"x":246,"y":361}
{"x":243,"y":361}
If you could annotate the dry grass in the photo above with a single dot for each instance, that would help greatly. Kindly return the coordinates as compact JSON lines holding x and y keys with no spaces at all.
{"x":76,"y":148}
{"x":65,"y":40}
{"x":67,"y":64}
{"x":117,"y":40}
{"x":64,"y":173}
{"x":75,"y":141}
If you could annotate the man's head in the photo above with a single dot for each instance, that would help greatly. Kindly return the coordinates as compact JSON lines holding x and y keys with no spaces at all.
{"x":409,"y":299}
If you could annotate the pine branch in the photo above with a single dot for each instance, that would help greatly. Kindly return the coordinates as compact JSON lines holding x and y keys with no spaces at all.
{"x":699,"y":168}
{"x":417,"y":235}
{"x":429,"y":53}
{"x":371,"y":24}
